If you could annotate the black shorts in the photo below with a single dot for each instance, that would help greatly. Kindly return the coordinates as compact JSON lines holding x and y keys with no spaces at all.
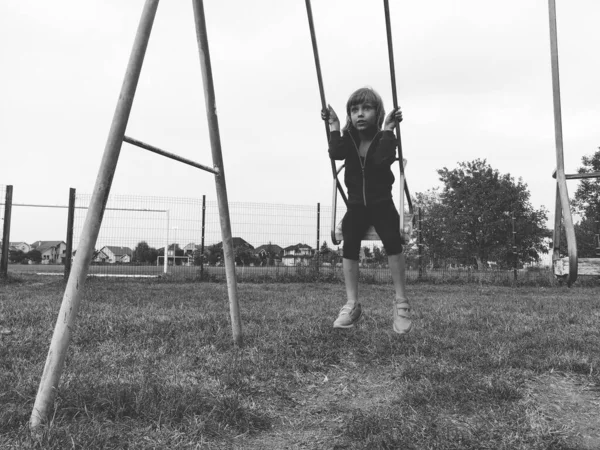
{"x":383,"y":216}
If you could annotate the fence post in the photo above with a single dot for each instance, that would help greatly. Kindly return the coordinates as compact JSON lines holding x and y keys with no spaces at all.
{"x":318,"y":234}
{"x":597,"y":237}
{"x":514,"y":247}
{"x":202,"y":239}
{"x":70,"y":222}
{"x":6,"y":232}
{"x":420,"y":244}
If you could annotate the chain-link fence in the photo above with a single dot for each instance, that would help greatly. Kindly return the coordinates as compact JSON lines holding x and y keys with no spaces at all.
{"x":273,"y":242}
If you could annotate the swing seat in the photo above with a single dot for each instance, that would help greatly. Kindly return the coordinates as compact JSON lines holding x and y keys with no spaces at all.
{"x":585,"y":266}
{"x":371,"y":234}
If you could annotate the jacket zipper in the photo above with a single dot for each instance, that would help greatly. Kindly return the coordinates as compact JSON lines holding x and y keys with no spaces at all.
{"x":362,"y":166}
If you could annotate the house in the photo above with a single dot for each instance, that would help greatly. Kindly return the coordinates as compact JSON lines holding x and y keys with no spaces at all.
{"x":263,"y":251}
{"x":100,"y":257}
{"x":237,"y":243}
{"x":268,"y":254}
{"x":53,"y":252}
{"x":22,"y":246}
{"x":189,"y":249}
{"x":299,"y":254}
{"x":115,"y":254}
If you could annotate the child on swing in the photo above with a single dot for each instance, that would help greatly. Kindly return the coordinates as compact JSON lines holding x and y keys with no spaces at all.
{"x":368,"y":153}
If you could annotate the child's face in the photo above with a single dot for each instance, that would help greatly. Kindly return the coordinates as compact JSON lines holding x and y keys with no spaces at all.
{"x":363,"y":116}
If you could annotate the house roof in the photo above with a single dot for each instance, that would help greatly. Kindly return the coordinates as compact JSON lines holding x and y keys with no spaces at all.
{"x":37,"y":244}
{"x":44,"y":246}
{"x":298,"y":247}
{"x":266,"y":247}
{"x":118,"y":251}
{"x":237,"y":242}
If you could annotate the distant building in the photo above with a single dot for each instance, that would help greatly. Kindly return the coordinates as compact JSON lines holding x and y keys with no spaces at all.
{"x":268,"y":254}
{"x":262,"y":251}
{"x":237,"y":242}
{"x":53,"y":252}
{"x":299,"y":254}
{"x":115,"y":254}
{"x":189,"y":249}
{"x":22,"y":246}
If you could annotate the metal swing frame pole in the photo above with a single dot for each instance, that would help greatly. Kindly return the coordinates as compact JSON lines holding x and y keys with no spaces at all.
{"x":402,"y":180}
{"x":91,"y":228}
{"x":217,"y":156}
{"x":562,"y":206}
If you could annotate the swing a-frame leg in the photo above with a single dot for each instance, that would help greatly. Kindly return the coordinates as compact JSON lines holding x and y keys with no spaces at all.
{"x":569,"y":267}
{"x":91,"y":228}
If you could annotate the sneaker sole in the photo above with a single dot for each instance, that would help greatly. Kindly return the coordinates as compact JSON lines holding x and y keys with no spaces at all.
{"x":403,"y":331}
{"x":350,"y":325}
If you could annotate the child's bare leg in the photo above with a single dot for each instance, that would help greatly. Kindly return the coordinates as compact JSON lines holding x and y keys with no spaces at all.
{"x":397,"y":265}
{"x":351,"y":311}
{"x":402,"y":316}
{"x":350,"y":268}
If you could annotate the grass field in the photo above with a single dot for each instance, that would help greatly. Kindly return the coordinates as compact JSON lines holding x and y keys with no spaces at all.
{"x":151,"y":365}
{"x":302,"y":274}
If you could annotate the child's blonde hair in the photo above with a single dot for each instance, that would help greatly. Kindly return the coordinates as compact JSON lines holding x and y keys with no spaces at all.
{"x":365,"y":95}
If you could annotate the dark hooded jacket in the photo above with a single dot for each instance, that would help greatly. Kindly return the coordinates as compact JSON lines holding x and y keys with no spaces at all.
{"x":369,"y":181}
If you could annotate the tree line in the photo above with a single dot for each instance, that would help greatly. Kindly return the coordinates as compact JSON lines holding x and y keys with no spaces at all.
{"x":479,"y":216}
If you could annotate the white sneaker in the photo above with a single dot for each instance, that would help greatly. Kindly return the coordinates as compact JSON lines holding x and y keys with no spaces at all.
{"x":402,"y":318}
{"x":348,"y":316}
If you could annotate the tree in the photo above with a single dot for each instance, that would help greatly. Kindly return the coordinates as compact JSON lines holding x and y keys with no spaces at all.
{"x":34,"y":255}
{"x":379,"y":254}
{"x":586,"y":234}
{"x":143,"y":253}
{"x":243,"y":255}
{"x":587,"y":195}
{"x":587,"y":204}
{"x":438,"y":243}
{"x":476,"y":209}
{"x":16,"y":256}
{"x":213,"y":254}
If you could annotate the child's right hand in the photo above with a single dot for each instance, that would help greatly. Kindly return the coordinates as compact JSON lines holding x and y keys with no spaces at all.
{"x":330,"y":115}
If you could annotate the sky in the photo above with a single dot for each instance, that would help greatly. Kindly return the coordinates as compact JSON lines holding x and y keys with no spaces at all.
{"x":473,"y":78}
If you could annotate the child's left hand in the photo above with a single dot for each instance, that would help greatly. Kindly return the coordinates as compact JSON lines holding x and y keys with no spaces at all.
{"x":392,"y":117}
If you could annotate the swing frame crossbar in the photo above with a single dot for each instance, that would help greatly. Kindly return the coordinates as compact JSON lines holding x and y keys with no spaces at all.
{"x":158,"y":151}
{"x":91,"y":227}
{"x":569,"y":267}
{"x":337,"y":187}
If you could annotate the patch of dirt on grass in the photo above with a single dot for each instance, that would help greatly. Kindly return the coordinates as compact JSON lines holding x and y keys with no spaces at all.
{"x":567,"y":405}
{"x":321,"y":407}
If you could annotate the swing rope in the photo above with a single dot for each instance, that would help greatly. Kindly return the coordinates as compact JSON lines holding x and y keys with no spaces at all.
{"x":402,"y":179}
{"x":313,"y":37}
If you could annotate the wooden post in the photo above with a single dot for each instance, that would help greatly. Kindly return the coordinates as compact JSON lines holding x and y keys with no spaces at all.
{"x":562,"y":197}
{"x":202,"y":240}
{"x":91,"y":228}
{"x":70,"y":222}
{"x":420,"y":243}
{"x":318,"y":235}
{"x":514,"y":247}
{"x":6,"y":231}
{"x":217,"y":156}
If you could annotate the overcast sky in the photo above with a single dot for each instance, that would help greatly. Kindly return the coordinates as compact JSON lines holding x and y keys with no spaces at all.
{"x":473,"y":76}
